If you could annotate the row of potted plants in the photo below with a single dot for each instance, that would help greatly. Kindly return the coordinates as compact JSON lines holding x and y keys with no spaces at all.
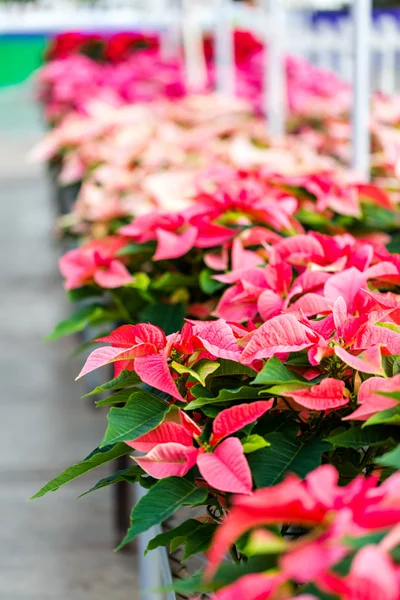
{"x":176,"y":132}
{"x":141,"y":71}
{"x":318,"y":101}
{"x":256,"y":358}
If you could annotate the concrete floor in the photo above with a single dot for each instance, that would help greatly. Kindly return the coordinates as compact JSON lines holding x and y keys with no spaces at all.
{"x":57,"y":547}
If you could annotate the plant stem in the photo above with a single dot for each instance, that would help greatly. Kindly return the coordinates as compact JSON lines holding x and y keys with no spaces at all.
{"x":234,"y":554}
{"x":367,"y":456}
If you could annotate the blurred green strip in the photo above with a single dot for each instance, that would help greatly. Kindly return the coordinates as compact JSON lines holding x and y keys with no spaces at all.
{"x":20,"y":56}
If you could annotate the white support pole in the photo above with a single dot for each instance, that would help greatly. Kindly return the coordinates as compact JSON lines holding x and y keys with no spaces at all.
{"x":275,"y":93}
{"x":154,"y":569}
{"x":192,"y":34}
{"x":224,"y":49}
{"x":170,"y":39}
{"x":361,"y":16}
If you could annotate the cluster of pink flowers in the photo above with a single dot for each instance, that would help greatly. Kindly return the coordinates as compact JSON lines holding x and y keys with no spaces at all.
{"x":358,"y":330}
{"x":334,"y":349}
{"x":96,"y":262}
{"x":68,"y":84}
{"x":318,"y":101}
{"x":237,"y":221}
{"x":138,"y":157}
{"x":280,"y":383}
{"x":334,"y":516}
{"x":335,"y":368}
{"x":138,"y":142}
{"x":126,"y":76}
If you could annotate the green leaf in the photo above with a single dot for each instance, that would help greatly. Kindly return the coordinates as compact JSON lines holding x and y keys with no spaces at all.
{"x":200,"y":371}
{"x":198,"y":391}
{"x":196,"y":537}
{"x":391,"y":416}
{"x":285,"y":389}
{"x":168,"y":282}
{"x":147,"y":482}
{"x":208,"y":285}
{"x":223,"y":378}
{"x":147,"y":247}
{"x":287,"y":454}
{"x":200,"y":540}
{"x":97,"y":458}
{"x":242,"y":393}
{"x":169,"y":317}
{"x":393,"y":395}
{"x":297,"y":360}
{"x":347,"y":469}
{"x":211,"y":411}
{"x":143,"y":413}
{"x":132,"y":474}
{"x":254,"y":442}
{"x":357,"y":543}
{"x":124,"y":380}
{"x":356,"y":437}
{"x":176,"y":542}
{"x":226,"y":574}
{"x":313,"y":591}
{"x":378,"y":218}
{"x":121,"y":397}
{"x":253,"y":545}
{"x":77,"y":321}
{"x":390,"y":459}
{"x":165,"y":538}
{"x":161,"y":501}
{"x":392,"y":327}
{"x":394,"y":245}
{"x":313,"y":219}
{"x":274,"y":423}
{"x":391,"y":364}
{"x":274,"y":373}
{"x":140,"y":282}
{"x":230,"y":367}
{"x":83,"y":293}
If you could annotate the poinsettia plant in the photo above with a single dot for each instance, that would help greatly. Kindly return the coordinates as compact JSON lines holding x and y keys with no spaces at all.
{"x":221,"y":407}
{"x":343,"y":541}
{"x":318,"y":100}
{"x":132,"y":159}
{"x":256,"y":365}
{"x":232,"y":237}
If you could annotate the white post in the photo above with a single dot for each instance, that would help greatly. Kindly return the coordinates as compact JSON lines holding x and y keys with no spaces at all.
{"x":170,"y":39}
{"x":275,"y":93}
{"x":361,"y":13}
{"x":154,"y":569}
{"x":386,"y":40}
{"x":192,"y":34}
{"x":224,"y":50}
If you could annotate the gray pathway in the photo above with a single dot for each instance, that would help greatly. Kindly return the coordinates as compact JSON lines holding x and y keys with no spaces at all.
{"x":55,"y":548}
